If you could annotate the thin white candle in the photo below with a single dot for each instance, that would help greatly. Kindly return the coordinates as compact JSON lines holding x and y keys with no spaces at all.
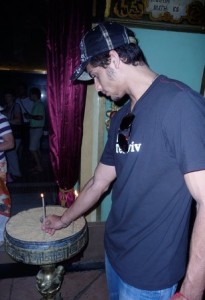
{"x":76,"y":194}
{"x":44,"y":207}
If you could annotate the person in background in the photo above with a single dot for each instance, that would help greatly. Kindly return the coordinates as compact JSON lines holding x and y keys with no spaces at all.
{"x":12,"y":111}
{"x":37,"y":122}
{"x":155,"y":159}
{"x":6,"y":143}
{"x":26,"y":105}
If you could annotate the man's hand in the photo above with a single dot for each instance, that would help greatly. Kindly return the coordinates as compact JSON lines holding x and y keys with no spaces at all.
{"x":52,"y":223}
{"x":178,"y":296}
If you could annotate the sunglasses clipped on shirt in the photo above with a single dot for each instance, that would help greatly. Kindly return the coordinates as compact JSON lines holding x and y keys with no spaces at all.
{"x":123,"y":137}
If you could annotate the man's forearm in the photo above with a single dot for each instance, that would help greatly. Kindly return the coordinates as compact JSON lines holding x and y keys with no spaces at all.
{"x":194,"y":283}
{"x":7,"y":144}
{"x":88,"y":197}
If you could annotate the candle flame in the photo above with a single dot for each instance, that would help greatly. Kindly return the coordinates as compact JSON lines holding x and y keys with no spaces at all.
{"x":76,"y":193}
{"x":42,"y":195}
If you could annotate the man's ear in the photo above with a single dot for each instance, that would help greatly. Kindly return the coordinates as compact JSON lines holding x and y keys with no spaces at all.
{"x":115,"y":60}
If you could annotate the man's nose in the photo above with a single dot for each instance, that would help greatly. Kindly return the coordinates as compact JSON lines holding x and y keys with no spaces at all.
{"x":98,"y":87}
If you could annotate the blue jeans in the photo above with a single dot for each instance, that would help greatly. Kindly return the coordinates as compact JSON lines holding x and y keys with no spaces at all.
{"x":119,"y":290}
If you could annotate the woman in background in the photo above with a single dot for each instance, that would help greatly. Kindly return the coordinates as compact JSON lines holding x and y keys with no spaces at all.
{"x":6,"y":143}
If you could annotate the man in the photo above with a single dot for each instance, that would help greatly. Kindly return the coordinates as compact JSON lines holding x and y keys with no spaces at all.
{"x":26,"y":107}
{"x":24,"y":101}
{"x":155,"y":155}
{"x":37,"y":122}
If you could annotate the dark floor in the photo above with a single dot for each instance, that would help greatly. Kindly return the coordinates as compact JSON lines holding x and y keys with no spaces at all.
{"x":17,"y":280}
{"x":26,"y":164}
{"x":89,"y":285}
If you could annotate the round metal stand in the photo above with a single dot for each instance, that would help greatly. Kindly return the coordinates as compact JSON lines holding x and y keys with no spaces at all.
{"x":47,"y":254}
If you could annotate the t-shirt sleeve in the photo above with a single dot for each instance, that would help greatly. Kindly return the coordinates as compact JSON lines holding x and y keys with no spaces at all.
{"x":107,"y":157}
{"x":184,"y":131}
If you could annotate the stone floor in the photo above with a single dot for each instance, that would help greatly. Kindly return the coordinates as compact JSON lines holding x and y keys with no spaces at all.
{"x":89,"y":285}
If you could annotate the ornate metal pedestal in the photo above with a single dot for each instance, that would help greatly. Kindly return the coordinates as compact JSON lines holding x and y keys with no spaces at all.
{"x":26,"y":242}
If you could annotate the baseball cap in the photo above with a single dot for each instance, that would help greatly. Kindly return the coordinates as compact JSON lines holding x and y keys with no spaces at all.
{"x":103,"y":37}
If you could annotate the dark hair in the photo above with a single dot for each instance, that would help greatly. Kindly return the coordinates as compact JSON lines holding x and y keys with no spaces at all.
{"x":130,"y":54}
{"x":22,"y":85}
{"x":35,"y":91}
{"x":10,"y":92}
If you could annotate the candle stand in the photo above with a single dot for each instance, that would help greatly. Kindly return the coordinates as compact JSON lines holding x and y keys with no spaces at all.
{"x":45,"y":253}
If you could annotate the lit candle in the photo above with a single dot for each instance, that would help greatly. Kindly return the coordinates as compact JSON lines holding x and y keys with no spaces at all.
{"x":76,"y":194}
{"x":44,"y":207}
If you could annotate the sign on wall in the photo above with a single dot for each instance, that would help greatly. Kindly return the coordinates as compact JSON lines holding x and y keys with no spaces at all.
{"x":180,"y":15}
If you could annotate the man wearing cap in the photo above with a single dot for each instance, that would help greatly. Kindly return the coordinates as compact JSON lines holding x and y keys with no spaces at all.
{"x":155,"y":158}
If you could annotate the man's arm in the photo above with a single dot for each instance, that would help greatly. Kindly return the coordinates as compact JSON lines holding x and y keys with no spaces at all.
{"x":34,"y":117}
{"x":87,"y":198}
{"x":193,"y":285}
{"x":8,"y":142}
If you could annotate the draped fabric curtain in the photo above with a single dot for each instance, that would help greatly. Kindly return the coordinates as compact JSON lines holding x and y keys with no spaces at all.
{"x":67,"y":22}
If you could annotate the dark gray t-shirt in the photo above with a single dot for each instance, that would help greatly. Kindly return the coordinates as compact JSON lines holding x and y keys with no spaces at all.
{"x":146,"y":236}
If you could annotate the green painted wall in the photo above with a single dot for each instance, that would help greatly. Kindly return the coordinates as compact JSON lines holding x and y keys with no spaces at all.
{"x":178,"y":55}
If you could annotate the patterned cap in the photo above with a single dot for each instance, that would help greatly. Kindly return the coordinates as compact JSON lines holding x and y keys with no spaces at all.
{"x":104,"y":37}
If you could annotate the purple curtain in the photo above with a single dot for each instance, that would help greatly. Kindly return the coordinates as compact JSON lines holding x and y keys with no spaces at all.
{"x":67,"y":22}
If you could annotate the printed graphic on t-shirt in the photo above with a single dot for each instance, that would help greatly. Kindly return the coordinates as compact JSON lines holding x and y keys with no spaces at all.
{"x":132,"y":148}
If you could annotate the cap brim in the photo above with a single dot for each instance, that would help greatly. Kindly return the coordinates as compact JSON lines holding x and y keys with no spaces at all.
{"x":80,"y":73}
{"x":84,"y":77}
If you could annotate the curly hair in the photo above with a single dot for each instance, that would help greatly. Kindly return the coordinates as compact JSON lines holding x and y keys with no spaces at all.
{"x":129,"y":53}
